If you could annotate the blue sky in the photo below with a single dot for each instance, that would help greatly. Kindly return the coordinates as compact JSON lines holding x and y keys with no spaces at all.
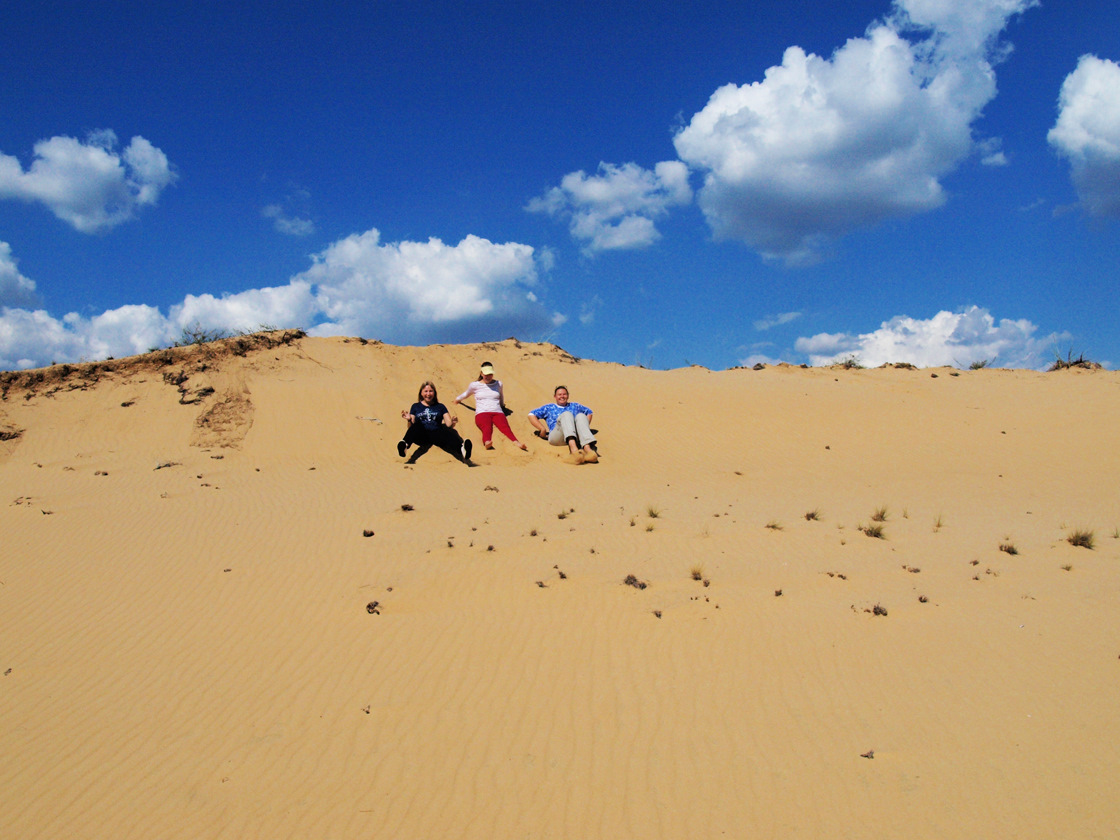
{"x":933,"y":181}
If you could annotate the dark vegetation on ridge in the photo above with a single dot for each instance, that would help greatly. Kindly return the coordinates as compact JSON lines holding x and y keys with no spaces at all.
{"x":70,"y":377}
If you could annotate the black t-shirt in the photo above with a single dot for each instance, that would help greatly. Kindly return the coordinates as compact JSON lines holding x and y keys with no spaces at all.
{"x":430,"y":417}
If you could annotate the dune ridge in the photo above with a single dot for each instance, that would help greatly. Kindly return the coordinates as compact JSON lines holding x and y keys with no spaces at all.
{"x":199,"y":639}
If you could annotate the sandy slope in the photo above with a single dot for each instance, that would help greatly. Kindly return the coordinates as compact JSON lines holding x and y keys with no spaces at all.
{"x":186,"y":650}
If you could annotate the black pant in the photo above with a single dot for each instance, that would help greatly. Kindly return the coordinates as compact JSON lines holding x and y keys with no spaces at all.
{"x":444,"y":437}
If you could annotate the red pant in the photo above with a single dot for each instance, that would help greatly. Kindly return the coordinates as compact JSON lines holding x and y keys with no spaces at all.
{"x":487,"y":420}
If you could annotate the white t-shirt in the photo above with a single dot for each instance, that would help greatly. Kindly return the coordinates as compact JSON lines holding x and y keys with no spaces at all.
{"x":487,"y":398}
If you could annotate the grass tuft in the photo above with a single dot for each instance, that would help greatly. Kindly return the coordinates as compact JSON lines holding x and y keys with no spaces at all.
{"x":1070,"y":362}
{"x":875,"y":531}
{"x":1081,"y":537}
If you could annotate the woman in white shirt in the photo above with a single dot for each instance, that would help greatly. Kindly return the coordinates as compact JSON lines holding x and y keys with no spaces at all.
{"x":489,"y":406}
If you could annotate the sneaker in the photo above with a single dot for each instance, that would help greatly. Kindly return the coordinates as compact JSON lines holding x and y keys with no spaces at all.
{"x":467,"y":449}
{"x":402,"y":447}
{"x":590,"y":456}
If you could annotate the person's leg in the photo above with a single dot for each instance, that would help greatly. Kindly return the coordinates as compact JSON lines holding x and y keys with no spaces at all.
{"x":586,"y":439}
{"x":485,"y":422}
{"x":583,"y":431}
{"x":450,"y":442}
{"x":411,"y":438}
{"x":503,"y":426}
{"x":421,"y":439}
{"x":566,"y":423}
{"x":556,"y":436}
{"x":462,"y":446}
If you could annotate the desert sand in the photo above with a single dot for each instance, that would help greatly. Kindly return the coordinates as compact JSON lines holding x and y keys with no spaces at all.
{"x":228,"y":609}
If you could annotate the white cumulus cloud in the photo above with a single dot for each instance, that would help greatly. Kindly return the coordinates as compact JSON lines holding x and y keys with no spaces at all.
{"x":961,"y":28}
{"x":616,"y":207}
{"x":1087,"y":133}
{"x":948,"y":338}
{"x":293,"y":305}
{"x":90,"y":185}
{"x":823,"y":146}
{"x":34,"y":338}
{"x":418,"y":291}
{"x":15,"y":289}
{"x":401,"y":292}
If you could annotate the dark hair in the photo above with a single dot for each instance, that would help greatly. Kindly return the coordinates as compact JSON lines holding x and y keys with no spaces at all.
{"x":558,"y":387}
{"x":423,"y":385}
{"x":484,"y":364}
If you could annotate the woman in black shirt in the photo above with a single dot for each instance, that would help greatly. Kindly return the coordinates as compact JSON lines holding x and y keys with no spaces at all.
{"x":431,"y":424}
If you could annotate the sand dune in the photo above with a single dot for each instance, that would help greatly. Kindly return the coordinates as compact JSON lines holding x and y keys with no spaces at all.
{"x":198,"y":638}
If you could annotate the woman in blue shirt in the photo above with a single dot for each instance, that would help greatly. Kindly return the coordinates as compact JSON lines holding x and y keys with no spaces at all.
{"x":564,"y":421}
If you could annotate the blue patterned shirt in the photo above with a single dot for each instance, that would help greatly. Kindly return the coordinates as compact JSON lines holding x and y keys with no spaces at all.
{"x":551,"y":413}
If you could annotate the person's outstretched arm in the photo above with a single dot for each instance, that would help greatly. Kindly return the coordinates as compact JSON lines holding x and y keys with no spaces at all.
{"x":539,"y":424}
